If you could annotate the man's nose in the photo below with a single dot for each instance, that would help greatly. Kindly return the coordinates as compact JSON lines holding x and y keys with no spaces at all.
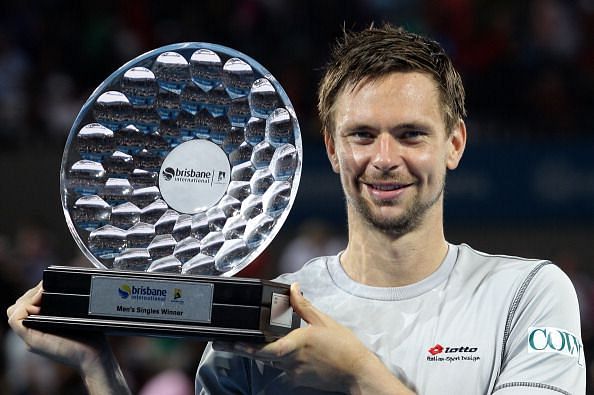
{"x":387,"y":152}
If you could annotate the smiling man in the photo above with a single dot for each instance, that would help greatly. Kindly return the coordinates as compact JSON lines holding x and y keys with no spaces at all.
{"x":400,"y":310}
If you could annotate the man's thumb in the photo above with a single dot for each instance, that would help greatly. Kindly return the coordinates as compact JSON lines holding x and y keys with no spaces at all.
{"x":303,"y":307}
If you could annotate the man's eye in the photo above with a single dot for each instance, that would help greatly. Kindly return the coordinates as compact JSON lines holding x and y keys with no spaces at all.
{"x":362,"y":135}
{"x":413,"y":134}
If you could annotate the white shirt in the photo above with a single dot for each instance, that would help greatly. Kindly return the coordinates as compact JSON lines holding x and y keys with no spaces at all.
{"x":479,"y":324}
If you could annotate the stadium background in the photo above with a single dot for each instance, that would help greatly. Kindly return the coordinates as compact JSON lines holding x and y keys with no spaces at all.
{"x":525,"y":186}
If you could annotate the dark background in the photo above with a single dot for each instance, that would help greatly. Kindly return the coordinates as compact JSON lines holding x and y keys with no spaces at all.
{"x":525,"y":186}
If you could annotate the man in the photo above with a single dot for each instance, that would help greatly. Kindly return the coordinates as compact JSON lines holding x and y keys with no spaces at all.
{"x":400,"y":310}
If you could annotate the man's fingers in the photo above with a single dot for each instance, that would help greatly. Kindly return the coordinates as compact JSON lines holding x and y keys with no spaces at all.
{"x":30,"y":298}
{"x":304,"y":308}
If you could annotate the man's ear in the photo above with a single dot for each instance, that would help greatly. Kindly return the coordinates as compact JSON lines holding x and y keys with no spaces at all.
{"x":456,"y":145}
{"x":331,"y":150}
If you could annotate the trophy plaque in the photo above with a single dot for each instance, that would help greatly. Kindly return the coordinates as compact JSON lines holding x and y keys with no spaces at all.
{"x":179,"y":170}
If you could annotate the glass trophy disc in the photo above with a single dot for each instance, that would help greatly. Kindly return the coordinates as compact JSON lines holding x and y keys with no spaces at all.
{"x":186,"y":160}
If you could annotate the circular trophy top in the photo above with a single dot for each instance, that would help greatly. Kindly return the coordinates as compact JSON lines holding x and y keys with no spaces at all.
{"x":187,"y":159}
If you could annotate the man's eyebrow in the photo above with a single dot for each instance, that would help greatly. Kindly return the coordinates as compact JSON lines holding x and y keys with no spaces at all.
{"x":398,"y":127}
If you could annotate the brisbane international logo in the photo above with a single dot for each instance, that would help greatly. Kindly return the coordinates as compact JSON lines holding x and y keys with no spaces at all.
{"x":124,"y":291}
{"x":168,"y":173}
{"x":190,"y":175}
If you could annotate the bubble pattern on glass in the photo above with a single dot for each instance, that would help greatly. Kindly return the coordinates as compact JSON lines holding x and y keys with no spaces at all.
{"x":150,"y":109}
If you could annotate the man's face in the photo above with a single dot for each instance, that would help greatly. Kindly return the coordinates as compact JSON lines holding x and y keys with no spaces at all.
{"x":391,"y":149}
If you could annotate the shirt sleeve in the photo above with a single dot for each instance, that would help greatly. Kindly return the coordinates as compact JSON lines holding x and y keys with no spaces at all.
{"x":543,"y":352}
{"x":221,"y":373}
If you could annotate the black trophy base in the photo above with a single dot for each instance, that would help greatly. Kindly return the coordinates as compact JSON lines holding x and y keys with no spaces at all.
{"x":163,"y":305}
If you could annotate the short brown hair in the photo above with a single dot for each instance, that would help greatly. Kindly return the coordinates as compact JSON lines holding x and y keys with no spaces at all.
{"x":377,"y":51}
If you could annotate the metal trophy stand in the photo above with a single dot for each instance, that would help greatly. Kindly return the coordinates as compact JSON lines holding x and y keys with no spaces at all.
{"x":178,"y":172}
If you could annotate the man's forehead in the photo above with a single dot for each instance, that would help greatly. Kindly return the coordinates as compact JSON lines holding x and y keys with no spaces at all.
{"x":353,"y":87}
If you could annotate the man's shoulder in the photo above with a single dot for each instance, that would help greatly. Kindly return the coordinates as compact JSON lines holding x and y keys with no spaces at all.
{"x":314,"y":268}
{"x":472,"y":258}
{"x":505,"y":269}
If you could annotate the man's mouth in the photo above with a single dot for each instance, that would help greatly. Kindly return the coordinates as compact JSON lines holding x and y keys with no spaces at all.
{"x":388,"y":187}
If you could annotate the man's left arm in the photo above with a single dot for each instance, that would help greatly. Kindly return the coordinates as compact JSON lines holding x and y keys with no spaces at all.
{"x":543,"y":351}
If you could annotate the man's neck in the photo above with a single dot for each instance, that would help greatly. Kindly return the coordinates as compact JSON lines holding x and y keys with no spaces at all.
{"x":374,"y":257}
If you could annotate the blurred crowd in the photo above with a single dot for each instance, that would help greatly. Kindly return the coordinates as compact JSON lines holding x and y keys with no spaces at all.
{"x":528,"y":67}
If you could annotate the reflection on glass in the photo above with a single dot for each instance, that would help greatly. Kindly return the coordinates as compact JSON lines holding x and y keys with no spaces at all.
{"x":139,"y":85}
{"x":165,"y":224}
{"x":107,"y":241}
{"x":257,"y":229}
{"x":186,"y":249}
{"x":234,"y":227}
{"x":140,"y":235}
{"x":142,"y":197}
{"x":230,"y":254}
{"x":143,"y":178}
{"x":169,"y":132}
{"x":116,"y":191}
{"x":239,"y":112}
{"x":113,"y":110}
{"x":95,"y":141}
{"x":284,"y":162}
{"x":279,"y":128}
{"x":206,"y":68}
{"x":190,"y":99}
{"x":232,"y":140}
{"x":237,"y":77}
{"x":241,"y":154}
{"x":204,"y":121}
{"x":129,"y":139}
{"x":251,"y":207}
{"x":200,"y":265}
{"x":229,"y":206}
{"x":172,"y":71}
{"x":211,"y":243}
{"x":216,"y":102}
{"x":119,"y":164}
{"x":238,"y":189}
{"x":135,"y":259}
{"x":168,"y":104}
{"x":168,"y":264}
{"x":182,"y":227}
{"x":255,"y":129}
{"x":200,"y":226}
{"x":146,"y":119}
{"x":263,"y":98}
{"x":216,"y":218}
{"x":219,"y":128}
{"x":86,"y":177}
{"x":125,"y":215}
{"x":161,"y":246}
{"x":276,"y":198}
{"x":151,"y":213}
{"x":90,"y":212}
{"x":261,"y":181}
{"x":262,"y":155}
{"x":148,"y":159}
{"x":242,"y":172}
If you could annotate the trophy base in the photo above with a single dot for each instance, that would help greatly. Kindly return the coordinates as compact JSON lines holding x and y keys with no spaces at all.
{"x":163,"y":305}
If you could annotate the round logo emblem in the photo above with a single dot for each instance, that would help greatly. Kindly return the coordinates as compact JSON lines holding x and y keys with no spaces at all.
{"x":194,"y":176}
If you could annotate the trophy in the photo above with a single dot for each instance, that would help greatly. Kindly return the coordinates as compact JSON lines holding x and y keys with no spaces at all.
{"x":179,"y":170}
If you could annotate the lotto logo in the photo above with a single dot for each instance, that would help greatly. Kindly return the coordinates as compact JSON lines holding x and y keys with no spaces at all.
{"x":436,"y":349}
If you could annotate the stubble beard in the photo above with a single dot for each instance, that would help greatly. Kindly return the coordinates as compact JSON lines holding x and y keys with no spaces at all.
{"x":400,"y":225}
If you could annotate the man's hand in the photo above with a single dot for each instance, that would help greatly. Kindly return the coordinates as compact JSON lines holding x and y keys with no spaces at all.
{"x":324,"y":355}
{"x":90,"y":353}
